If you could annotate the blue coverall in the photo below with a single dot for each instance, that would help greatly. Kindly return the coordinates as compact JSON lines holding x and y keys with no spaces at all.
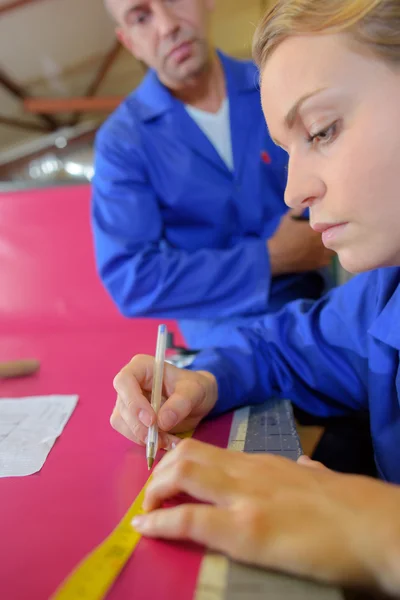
{"x":177,"y":234}
{"x":336,"y":356}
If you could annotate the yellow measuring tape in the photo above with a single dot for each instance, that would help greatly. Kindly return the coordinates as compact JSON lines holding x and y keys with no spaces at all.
{"x":95,"y":575}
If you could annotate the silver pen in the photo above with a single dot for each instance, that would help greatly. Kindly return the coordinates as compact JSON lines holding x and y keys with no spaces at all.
{"x":156,"y":393}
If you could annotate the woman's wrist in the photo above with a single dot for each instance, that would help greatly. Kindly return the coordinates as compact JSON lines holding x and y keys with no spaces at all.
{"x":211,"y":386}
{"x":381,"y":535}
{"x":389,"y":574}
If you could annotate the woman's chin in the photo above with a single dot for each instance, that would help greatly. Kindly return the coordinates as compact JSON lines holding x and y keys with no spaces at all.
{"x":355,"y":264}
{"x":360,"y":262}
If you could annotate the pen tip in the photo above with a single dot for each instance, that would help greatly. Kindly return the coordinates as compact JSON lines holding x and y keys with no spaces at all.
{"x":150,"y":462}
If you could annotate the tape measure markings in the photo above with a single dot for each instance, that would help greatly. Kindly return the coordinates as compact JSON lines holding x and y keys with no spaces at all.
{"x":257,"y":428}
{"x":96,"y":573}
{"x":94,"y":576}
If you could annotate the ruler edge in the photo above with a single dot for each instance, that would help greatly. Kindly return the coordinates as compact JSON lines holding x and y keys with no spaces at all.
{"x":213,"y":573}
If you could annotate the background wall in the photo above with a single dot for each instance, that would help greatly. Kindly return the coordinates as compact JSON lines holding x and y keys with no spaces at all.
{"x":57,"y":49}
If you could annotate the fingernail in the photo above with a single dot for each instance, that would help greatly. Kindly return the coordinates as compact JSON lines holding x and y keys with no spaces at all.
{"x":168,"y":419}
{"x":170,"y":442}
{"x":145,"y":418}
{"x":138,"y":523}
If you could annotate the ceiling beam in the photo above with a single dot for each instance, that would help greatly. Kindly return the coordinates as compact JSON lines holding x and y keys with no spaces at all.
{"x":98,"y":79}
{"x":81,"y":140}
{"x":22,"y":124}
{"x":105,"y":66}
{"x":12,"y":87}
{"x":19,"y":92}
{"x":79,"y":104}
{"x":5,"y":8}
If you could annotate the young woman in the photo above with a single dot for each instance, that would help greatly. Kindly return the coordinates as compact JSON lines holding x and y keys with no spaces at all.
{"x":330,"y":89}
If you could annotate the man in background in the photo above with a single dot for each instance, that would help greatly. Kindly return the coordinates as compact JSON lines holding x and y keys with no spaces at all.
{"x":188,"y":213}
{"x":189,"y":218}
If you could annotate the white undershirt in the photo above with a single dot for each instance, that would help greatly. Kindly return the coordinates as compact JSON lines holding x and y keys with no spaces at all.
{"x":217,"y":128}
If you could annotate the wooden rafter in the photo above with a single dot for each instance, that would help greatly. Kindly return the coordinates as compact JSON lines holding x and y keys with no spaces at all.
{"x":98,"y":79}
{"x":105,"y":66}
{"x":20,"y":163}
{"x":19,"y":92}
{"x":78,"y":104}
{"x":20,"y":124}
{"x":5,"y":8}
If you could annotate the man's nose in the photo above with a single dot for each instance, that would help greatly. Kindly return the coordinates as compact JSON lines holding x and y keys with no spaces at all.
{"x":167,"y":22}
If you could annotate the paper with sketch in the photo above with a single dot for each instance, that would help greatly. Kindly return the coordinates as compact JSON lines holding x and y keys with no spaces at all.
{"x":28,"y":429}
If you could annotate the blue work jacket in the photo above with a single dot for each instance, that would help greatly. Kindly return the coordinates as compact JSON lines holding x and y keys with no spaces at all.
{"x":329,"y":357}
{"x":179,"y":235}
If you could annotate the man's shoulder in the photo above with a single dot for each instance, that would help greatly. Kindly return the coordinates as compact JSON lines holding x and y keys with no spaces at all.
{"x":241,"y":74}
{"x":245,"y":64}
{"x":147,"y":100}
{"x":122,"y":121}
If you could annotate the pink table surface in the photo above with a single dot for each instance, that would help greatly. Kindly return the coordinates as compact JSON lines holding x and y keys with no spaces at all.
{"x":54,"y":307}
{"x":50,"y":520}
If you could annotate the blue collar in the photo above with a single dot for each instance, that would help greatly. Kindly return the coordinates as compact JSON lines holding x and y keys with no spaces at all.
{"x":386,"y":326}
{"x":155,"y":99}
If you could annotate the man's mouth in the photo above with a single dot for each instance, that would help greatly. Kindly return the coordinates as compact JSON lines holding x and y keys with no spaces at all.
{"x":181,"y":52}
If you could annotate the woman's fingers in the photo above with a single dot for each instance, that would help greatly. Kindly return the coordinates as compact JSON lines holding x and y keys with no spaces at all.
{"x":306,"y":461}
{"x":192,"y":478}
{"x":206,"y":525}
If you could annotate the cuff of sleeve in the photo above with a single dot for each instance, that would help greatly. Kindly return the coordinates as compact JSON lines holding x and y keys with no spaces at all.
{"x":261,"y":283}
{"x":213,"y":362}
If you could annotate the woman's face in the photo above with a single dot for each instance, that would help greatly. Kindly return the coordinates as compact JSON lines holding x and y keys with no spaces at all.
{"x":336,"y":110}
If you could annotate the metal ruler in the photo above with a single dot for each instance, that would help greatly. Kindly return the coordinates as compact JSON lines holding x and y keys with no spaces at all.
{"x":268,"y":427}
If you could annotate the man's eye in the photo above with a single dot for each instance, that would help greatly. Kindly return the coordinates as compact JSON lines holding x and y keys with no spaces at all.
{"x":141,"y":18}
{"x":137,"y":18}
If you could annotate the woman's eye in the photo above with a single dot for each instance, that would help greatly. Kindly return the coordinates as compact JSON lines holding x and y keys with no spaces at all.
{"x":324,"y":136}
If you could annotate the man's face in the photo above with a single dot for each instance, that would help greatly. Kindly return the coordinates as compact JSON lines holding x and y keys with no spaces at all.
{"x":169,"y":36}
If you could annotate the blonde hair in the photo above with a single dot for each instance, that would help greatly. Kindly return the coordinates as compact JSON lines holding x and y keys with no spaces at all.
{"x":373,"y":23}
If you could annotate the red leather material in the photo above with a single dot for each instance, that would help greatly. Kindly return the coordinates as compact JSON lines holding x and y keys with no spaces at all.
{"x":53,"y":307}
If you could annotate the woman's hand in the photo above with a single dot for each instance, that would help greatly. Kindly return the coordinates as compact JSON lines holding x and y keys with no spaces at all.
{"x":269,"y":511}
{"x":188,"y":397}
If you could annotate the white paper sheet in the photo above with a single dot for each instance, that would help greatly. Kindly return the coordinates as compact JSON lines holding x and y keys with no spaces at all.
{"x":28,"y":429}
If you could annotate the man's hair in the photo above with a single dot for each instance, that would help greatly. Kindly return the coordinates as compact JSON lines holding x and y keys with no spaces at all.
{"x":107,"y":6}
